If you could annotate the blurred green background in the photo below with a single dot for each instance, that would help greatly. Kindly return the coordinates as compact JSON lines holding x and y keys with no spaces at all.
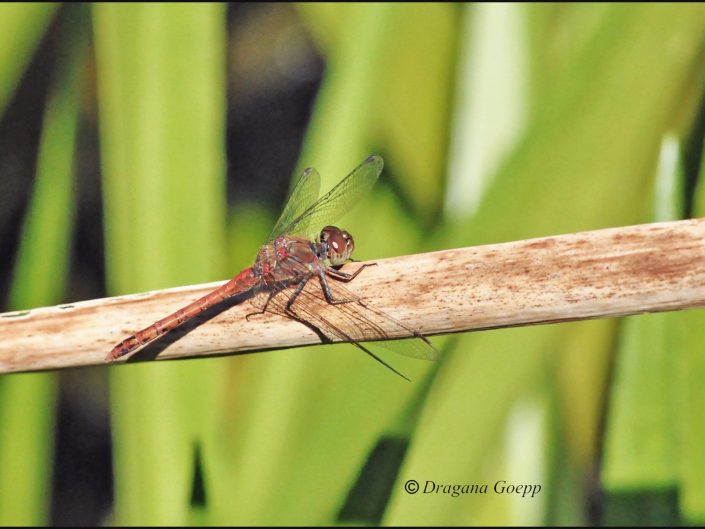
{"x":145,"y":146}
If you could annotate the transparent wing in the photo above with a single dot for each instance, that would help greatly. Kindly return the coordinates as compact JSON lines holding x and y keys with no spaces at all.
{"x":336,"y":202}
{"x":304,"y":193}
{"x":352,"y":322}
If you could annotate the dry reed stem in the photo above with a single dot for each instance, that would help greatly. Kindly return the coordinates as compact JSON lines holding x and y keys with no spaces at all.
{"x":611,"y":272}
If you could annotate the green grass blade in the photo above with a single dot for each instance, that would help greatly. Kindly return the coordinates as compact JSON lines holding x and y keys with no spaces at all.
{"x":491,"y":109}
{"x":21,"y":28}
{"x":640,"y":446}
{"x":640,"y":467}
{"x":415,"y":91}
{"x":41,"y":270}
{"x":350,"y":86}
{"x":161,"y":97}
{"x":326,"y":22}
{"x":27,"y":421}
{"x":690,"y":337}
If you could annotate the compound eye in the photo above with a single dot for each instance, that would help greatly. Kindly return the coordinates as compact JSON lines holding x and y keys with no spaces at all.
{"x":325,"y":234}
{"x":349,"y":243}
{"x":337,"y":244}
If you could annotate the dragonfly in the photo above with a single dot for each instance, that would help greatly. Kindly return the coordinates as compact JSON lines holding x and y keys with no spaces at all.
{"x":295,"y":253}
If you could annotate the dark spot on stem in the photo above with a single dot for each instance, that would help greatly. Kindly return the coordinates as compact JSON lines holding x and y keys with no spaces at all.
{"x":16,"y":314}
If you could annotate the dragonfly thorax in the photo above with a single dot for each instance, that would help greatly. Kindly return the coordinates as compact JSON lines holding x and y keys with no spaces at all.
{"x":337,"y":245}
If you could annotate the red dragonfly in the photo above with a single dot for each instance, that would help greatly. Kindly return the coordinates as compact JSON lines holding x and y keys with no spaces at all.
{"x":290,"y":258}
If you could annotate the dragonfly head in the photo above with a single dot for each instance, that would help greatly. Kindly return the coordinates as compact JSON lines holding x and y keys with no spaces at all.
{"x":339,"y":244}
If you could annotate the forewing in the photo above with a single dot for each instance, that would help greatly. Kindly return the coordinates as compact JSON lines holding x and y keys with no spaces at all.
{"x":338,"y":201}
{"x":303,"y":194}
{"x":355,"y":321}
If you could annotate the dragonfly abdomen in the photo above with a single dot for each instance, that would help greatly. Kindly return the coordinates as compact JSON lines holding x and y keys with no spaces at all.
{"x":244,"y":281}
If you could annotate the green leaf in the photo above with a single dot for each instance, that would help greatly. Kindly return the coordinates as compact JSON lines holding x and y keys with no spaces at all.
{"x":160,"y":71}
{"x":641,"y":437}
{"x":689,"y":376}
{"x":690,"y":369}
{"x":491,"y":108}
{"x":21,"y":28}
{"x":40,"y":276}
{"x":414,"y":93}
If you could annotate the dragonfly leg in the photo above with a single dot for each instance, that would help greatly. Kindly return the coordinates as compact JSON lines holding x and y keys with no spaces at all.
{"x":295,"y":295}
{"x":344,"y":276}
{"x":264,"y":309}
{"x":278,"y":287}
{"x":326,"y":289}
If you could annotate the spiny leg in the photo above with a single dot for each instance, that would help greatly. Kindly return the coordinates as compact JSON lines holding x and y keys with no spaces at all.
{"x":327,"y":292}
{"x":344,"y":276}
{"x":278,"y":287}
{"x":295,"y":295}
